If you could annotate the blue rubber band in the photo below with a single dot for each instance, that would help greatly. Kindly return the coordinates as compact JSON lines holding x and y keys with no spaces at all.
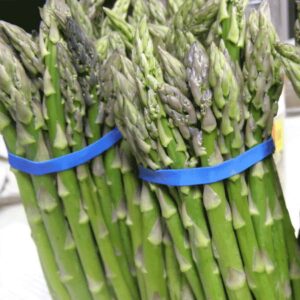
{"x":209,"y":175}
{"x":68,"y":161}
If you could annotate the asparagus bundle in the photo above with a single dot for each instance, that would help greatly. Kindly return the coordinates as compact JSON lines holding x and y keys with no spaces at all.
{"x":81,"y":118}
{"x":228,"y":123}
{"x":189,"y":83}
{"x":64,"y":114}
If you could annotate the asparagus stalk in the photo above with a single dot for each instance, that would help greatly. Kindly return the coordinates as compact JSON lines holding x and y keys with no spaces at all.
{"x":21,"y":96}
{"x":150,"y":68}
{"x":119,"y":10}
{"x":93,"y":9}
{"x":134,"y":218}
{"x":113,"y":174}
{"x":152,"y":244}
{"x":179,"y":40}
{"x":206,"y":94}
{"x":95,"y":117}
{"x":174,"y":5}
{"x":153,"y":258}
{"x":289,"y":55}
{"x":158,"y":12}
{"x":90,"y":5}
{"x":263,"y":106}
{"x":69,"y":188}
{"x":293,"y":249}
{"x":192,"y":211}
{"x":135,"y":132}
{"x":74,"y":108}
{"x":174,"y":277}
{"x":233,"y":118}
{"x":202,"y":17}
{"x":216,"y":205}
{"x":124,"y":28}
{"x":26,"y":48}
{"x":34,"y":216}
{"x":113,"y":270}
{"x":80,"y":16}
{"x":140,"y":9}
{"x":232,"y":19}
{"x":235,"y":258}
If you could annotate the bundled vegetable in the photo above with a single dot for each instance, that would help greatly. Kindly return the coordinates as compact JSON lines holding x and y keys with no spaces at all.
{"x":189,"y":84}
{"x":230,"y":104}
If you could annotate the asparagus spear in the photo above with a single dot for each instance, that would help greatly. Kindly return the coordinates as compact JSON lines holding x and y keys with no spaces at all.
{"x":76,"y":37}
{"x":157,"y":12}
{"x":69,"y":190}
{"x":119,"y":10}
{"x":293,"y":249}
{"x":75,"y":108}
{"x":225,"y":272}
{"x":216,"y":202}
{"x":202,"y":17}
{"x":135,"y":132}
{"x":193,"y":213}
{"x":135,"y":217}
{"x":197,"y":93}
{"x":152,"y":241}
{"x":80,"y":16}
{"x":233,"y":118}
{"x":151,"y":72}
{"x":174,"y":278}
{"x":174,"y":5}
{"x":231,"y":18}
{"x":112,"y":162}
{"x":153,"y":272}
{"x":153,"y":258}
{"x":124,"y":28}
{"x":90,"y":5}
{"x":21,"y":96}
{"x":140,"y":9}
{"x":289,"y":56}
{"x":26,"y":48}
{"x":93,"y":9}
{"x":264,"y":94}
{"x":112,"y":267}
{"x":142,"y":242}
{"x":34,"y":216}
{"x":179,"y":40}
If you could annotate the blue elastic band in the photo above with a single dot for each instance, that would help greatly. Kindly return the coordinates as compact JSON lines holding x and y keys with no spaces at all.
{"x":68,"y":161}
{"x":208,"y":175}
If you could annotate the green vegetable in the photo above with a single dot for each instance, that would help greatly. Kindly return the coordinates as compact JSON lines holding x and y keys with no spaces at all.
{"x":34,"y":215}
{"x":19,"y":92}
{"x":189,"y":84}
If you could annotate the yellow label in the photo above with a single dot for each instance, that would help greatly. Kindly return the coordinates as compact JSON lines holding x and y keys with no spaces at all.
{"x":278,"y":134}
